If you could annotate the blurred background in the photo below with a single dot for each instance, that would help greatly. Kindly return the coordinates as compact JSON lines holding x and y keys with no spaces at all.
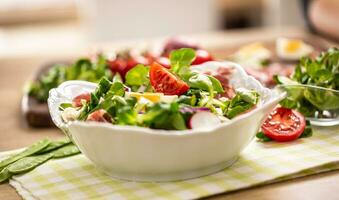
{"x":29,"y":27}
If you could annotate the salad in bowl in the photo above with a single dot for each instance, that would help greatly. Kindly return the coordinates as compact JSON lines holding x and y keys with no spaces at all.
{"x":161,"y":124}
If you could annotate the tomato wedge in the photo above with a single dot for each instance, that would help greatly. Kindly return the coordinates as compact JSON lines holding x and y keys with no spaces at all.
{"x":284,"y":125}
{"x":165,"y":82}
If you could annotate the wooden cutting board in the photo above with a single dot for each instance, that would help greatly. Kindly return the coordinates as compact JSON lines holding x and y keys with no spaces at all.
{"x":37,"y":115}
{"x":36,"y":112}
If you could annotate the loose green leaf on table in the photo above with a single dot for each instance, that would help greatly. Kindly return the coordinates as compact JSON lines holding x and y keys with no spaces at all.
{"x":261,"y":136}
{"x":308,"y":132}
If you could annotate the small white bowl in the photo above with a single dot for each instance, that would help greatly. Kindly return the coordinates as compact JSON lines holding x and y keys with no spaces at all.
{"x":144,"y":154}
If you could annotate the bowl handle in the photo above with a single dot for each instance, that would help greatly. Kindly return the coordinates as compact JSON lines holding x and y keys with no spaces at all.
{"x":65,"y":92}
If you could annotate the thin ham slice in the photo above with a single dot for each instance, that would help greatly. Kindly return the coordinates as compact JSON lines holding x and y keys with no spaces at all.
{"x":265,"y":75}
{"x":76,"y":102}
{"x":223,"y":75}
{"x":99,"y":116}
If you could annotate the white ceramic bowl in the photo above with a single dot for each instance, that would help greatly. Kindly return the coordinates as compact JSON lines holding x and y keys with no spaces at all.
{"x":143,"y":154}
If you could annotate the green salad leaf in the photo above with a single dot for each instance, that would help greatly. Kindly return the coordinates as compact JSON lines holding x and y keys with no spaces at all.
{"x":137,"y":76}
{"x":200,"y":81}
{"x":181,"y":59}
{"x":63,"y":106}
{"x":164,"y":116}
{"x":83,"y":69}
{"x":103,"y":87}
{"x":127,"y":116}
{"x":320,"y":72}
{"x":158,"y":111}
{"x":308,"y":132}
{"x":243,"y":101}
{"x":261,"y":136}
{"x":217,"y":87}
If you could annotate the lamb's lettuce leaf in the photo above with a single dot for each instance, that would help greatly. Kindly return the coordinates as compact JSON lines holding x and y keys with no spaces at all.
{"x":83,"y":69}
{"x":181,"y":60}
{"x":137,"y":76}
{"x":164,"y":116}
{"x":241,"y":102}
{"x":323,"y":72}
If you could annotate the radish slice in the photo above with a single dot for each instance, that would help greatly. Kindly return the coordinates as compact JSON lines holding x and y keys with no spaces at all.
{"x":204,"y":119}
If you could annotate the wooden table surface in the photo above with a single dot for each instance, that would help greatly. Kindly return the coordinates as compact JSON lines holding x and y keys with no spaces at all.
{"x":15,"y":71}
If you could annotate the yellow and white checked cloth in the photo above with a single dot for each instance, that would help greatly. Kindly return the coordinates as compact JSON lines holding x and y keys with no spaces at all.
{"x":261,"y":163}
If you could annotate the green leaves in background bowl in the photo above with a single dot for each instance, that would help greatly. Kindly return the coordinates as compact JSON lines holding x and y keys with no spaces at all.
{"x":314,"y":85}
{"x":83,"y":69}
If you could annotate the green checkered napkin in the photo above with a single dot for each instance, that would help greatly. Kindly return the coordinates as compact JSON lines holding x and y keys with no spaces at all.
{"x":261,"y":163}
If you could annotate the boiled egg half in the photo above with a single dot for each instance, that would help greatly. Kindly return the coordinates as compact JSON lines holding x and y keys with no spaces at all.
{"x":253,"y":55}
{"x":292,"y":49}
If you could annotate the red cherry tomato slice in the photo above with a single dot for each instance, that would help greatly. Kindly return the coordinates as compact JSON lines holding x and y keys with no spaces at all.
{"x":165,"y":82}
{"x":122,"y":66}
{"x":284,"y":125}
{"x":76,"y":102}
{"x":118,"y":66}
{"x":201,"y":56}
